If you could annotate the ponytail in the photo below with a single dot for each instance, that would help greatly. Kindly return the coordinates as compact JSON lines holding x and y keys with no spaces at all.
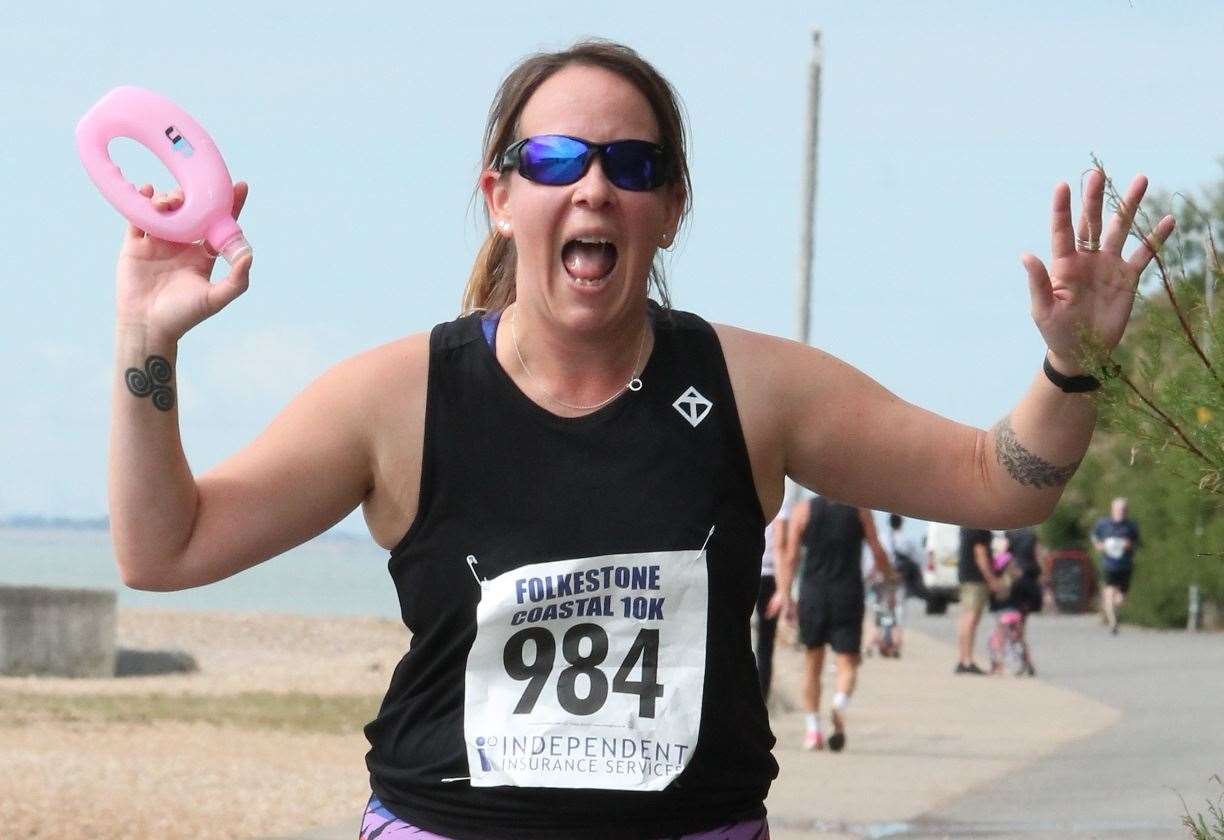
{"x":491,"y":284}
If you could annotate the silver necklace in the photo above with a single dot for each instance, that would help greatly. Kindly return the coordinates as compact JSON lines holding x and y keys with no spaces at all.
{"x":634,"y":384}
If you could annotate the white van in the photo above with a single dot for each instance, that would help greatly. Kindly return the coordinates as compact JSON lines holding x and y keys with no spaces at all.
{"x":939,"y":574}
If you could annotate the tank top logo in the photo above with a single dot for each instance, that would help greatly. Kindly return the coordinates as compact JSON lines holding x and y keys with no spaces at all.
{"x":692,"y":406}
{"x":588,"y":673}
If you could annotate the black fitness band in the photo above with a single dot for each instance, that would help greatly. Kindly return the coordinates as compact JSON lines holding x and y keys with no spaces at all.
{"x":1069,"y":384}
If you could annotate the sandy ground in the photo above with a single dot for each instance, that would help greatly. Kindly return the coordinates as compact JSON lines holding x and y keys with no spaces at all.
{"x":172,"y":779}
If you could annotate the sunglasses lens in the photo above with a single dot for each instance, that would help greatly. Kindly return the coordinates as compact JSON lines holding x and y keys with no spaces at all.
{"x":634,"y":165}
{"x":556,"y":160}
{"x":553,"y":160}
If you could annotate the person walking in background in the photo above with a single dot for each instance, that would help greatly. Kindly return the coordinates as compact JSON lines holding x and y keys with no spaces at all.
{"x":885,"y":600}
{"x":831,"y":602}
{"x":887,"y":616}
{"x":904,"y":553}
{"x":1027,"y":553}
{"x":767,"y":623}
{"x":1115,"y":538}
{"x":977,"y":580}
{"x":1019,"y":595}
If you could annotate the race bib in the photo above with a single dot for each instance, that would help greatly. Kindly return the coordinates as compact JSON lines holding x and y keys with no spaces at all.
{"x":588,"y":673}
{"x":1115,"y":547}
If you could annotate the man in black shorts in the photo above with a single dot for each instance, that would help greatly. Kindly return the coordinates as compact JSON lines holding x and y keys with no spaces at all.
{"x":1115,"y":537}
{"x":831,"y":596}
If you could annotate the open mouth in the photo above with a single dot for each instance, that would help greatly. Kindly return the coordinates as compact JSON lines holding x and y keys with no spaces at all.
{"x":589,"y":260}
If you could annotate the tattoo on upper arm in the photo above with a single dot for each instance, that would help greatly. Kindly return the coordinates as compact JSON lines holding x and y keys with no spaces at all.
{"x":1024,"y":466}
{"x":153,"y":381}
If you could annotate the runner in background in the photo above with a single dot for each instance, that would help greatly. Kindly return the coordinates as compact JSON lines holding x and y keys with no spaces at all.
{"x":1115,"y":538}
{"x":831,"y":602}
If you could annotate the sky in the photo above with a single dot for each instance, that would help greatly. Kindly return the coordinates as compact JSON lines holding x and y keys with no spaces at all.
{"x":943,"y":130}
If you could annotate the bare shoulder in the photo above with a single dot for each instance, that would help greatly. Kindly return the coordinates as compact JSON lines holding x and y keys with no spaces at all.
{"x":319,"y":458}
{"x":390,"y":383}
{"x":372,"y":404}
{"x":769,"y":354}
{"x":762,"y":369}
{"x":370,"y":386}
{"x":392,"y":380}
{"x":751,"y":363}
{"x":772,"y":371}
{"x":385,"y":371}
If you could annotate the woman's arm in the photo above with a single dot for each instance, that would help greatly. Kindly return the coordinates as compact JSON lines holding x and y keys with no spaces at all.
{"x":303,"y":474}
{"x":834,"y":430}
{"x":151,"y":490}
{"x":308,"y":470}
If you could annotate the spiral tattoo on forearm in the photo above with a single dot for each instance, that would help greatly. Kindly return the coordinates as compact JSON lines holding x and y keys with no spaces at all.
{"x":153,"y":381}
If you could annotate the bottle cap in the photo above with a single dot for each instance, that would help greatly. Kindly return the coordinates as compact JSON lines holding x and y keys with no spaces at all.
{"x":235,"y":248}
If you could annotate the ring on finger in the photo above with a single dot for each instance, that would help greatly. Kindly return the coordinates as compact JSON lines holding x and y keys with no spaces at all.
{"x":1088,"y":244}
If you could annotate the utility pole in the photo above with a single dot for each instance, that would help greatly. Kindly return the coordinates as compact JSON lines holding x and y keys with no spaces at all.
{"x":808,"y":231}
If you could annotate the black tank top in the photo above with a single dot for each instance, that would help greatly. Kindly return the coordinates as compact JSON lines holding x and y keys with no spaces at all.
{"x":834,"y":542}
{"x":585,"y":702}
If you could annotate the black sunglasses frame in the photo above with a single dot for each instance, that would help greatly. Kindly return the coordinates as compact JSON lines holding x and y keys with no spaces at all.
{"x":512,"y":158}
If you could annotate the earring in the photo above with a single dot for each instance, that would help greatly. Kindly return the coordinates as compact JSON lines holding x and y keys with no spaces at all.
{"x":504,"y":227}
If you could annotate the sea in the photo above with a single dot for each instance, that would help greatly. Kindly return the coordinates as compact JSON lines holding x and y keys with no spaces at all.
{"x":336,"y":574}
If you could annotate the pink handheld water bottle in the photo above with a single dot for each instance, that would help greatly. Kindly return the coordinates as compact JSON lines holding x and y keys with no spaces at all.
{"x":187,"y":151}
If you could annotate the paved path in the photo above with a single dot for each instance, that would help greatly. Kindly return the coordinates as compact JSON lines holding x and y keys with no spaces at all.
{"x":1094,"y":748}
{"x":1123,"y":781}
{"x":919,"y":737}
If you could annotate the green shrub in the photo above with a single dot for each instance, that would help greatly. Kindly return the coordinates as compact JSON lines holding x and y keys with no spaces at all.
{"x":1198,"y":825}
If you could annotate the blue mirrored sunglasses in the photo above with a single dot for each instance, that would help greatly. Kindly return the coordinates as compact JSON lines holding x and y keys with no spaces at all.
{"x":556,"y":160}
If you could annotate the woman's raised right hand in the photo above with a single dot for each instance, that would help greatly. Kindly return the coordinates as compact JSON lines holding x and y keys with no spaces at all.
{"x":163,"y":287}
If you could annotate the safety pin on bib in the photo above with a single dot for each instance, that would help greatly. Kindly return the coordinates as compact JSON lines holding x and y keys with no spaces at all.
{"x":471,"y":561}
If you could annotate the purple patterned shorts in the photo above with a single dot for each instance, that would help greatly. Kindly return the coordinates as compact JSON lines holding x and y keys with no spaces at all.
{"x":380,"y":824}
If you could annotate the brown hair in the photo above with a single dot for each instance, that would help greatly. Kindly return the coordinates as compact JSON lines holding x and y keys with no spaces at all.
{"x":491,"y":284}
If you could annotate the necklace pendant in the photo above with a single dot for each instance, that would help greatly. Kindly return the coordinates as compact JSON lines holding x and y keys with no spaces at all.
{"x":635,"y":384}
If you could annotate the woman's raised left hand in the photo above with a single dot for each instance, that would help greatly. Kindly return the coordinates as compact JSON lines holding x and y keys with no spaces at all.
{"x":1089,"y":288}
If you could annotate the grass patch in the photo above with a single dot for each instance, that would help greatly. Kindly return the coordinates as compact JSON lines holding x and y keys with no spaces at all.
{"x":289,"y":711}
